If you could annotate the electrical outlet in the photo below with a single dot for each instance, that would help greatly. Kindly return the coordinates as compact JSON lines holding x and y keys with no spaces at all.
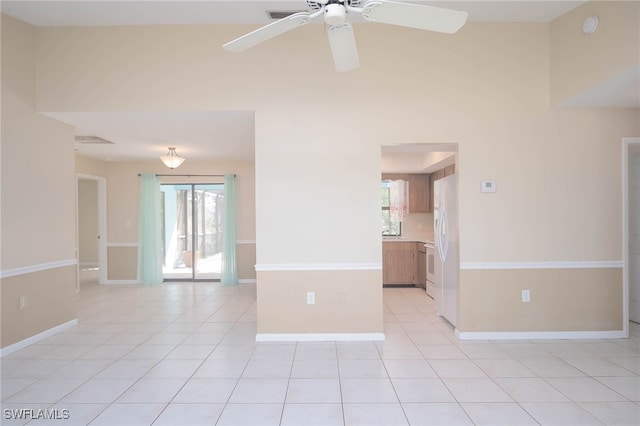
{"x":24,"y":302}
{"x":311,"y":298}
{"x":526,"y":296}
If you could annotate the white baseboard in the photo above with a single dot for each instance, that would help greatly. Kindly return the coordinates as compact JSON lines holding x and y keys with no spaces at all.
{"x":286,"y":267}
{"x":543,"y":265}
{"x":120,"y":282}
{"x":319,"y":337}
{"x":247,"y":281}
{"x":36,"y":338}
{"x":538,"y":335}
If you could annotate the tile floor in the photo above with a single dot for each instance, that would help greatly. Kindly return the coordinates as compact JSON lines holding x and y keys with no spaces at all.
{"x":184,"y":354}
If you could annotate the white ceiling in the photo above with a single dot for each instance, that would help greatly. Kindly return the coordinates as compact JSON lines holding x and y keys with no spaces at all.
{"x":147,"y":135}
{"x":115,"y":12}
{"x":417,"y":158}
{"x":220,"y":135}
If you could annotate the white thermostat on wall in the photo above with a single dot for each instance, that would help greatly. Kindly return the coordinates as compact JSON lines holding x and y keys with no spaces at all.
{"x":488,"y":186}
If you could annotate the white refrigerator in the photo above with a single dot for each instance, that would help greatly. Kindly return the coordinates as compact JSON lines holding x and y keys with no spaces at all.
{"x":445,"y":216}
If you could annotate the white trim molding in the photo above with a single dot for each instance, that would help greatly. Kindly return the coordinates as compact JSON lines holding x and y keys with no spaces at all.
{"x":121,"y":282}
{"x":247,"y":281}
{"x":538,"y":335}
{"x":37,"y":268}
{"x":37,"y":337}
{"x":270,"y":267}
{"x":319,"y":337}
{"x":245,"y":241}
{"x":543,"y":265}
{"x":627,"y":142}
{"x":122,"y":244}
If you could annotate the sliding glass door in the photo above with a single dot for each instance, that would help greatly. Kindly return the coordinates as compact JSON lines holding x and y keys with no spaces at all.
{"x":192,"y":231}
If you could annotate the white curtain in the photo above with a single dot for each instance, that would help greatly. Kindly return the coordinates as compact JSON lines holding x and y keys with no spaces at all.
{"x":398,"y":200}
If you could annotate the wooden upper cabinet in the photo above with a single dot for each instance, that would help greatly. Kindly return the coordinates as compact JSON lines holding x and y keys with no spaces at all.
{"x":419,"y":190}
{"x":432,"y":178}
{"x":396,"y":176}
{"x":449,"y":170}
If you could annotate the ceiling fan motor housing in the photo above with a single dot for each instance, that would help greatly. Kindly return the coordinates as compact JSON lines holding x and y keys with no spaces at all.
{"x":334,"y":14}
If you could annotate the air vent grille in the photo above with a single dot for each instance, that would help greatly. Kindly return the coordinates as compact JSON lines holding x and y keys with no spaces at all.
{"x":313,"y":6}
{"x":280,"y":14}
{"x":92,"y":140}
{"x":316,"y":5}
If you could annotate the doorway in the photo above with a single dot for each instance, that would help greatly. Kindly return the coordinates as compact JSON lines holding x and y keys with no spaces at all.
{"x":631,"y":240}
{"x":193,"y":230}
{"x":90,"y":229}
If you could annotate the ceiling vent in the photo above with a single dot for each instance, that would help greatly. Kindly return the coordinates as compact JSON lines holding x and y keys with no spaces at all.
{"x":92,"y":140}
{"x":313,"y":6}
{"x":280,"y":14}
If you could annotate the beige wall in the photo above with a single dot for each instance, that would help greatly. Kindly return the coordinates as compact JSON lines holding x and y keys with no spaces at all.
{"x":318,"y":136}
{"x":561,"y":300}
{"x":37,"y":162}
{"x":122,"y":263}
{"x":88,"y":222}
{"x":51,"y":301}
{"x":339,"y":307}
{"x":91,"y":166}
{"x":580,"y":61}
{"x":38,"y":198}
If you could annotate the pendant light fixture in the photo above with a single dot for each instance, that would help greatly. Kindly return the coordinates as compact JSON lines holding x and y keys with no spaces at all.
{"x":172,"y":160}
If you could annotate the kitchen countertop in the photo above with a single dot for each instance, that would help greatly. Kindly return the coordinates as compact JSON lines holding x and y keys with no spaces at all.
{"x":408,"y":239}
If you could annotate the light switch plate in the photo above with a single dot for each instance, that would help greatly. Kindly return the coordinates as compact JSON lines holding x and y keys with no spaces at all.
{"x":488,"y":186}
{"x":311,"y":298}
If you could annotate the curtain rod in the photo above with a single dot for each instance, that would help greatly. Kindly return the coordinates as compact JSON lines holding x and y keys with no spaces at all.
{"x":234,"y":175}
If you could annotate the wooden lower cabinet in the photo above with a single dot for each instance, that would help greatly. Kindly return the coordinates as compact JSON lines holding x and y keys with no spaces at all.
{"x":399,"y":262}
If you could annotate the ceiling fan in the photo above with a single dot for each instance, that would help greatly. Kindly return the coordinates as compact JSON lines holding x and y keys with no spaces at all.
{"x":341,"y":39}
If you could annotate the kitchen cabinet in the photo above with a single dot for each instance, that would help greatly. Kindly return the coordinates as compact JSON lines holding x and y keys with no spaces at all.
{"x":449,"y":170}
{"x":419,"y":190}
{"x":404,"y":262}
{"x":438,"y":175}
{"x":399,"y":262}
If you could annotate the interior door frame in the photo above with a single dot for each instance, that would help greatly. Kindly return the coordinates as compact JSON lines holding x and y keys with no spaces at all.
{"x":102,"y":227}
{"x":626,"y":142}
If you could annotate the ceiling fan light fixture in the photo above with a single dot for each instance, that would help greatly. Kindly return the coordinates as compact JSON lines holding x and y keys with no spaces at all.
{"x":340,"y":32}
{"x":335,"y":14}
{"x":172,"y":160}
{"x":590,"y":25}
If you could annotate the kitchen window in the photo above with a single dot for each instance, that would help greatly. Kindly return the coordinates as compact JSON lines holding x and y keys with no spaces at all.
{"x":390,"y":227}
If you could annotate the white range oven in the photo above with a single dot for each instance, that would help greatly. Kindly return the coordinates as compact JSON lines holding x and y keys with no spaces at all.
{"x":433,"y":271}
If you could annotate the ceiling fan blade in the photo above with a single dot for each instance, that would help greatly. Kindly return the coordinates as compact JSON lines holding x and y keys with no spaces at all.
{"x":415,"y":16}
{"x":268,"y":32}
{"x":343,"y":47}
